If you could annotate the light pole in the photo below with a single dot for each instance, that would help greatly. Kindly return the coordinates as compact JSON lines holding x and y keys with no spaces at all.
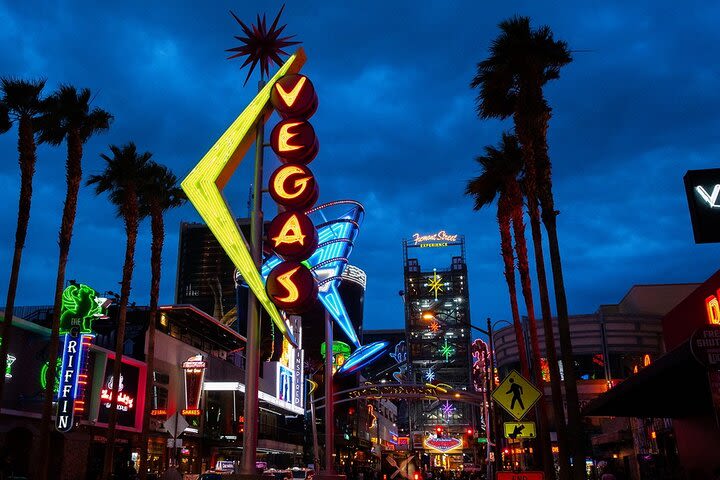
{"x":252,"y":351}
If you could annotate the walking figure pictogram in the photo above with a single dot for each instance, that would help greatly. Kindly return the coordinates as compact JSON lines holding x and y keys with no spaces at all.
{"x":516,"y":391}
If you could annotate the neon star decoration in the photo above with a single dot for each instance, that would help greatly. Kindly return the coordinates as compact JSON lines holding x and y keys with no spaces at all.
{"x":205,"y":183}
{"x":435,"y":284}
{"x":430,"y":375}
{"x":447,"y":350}
{"x":448,"y":409}
{"x":434,"y":326}
{"x":261,"y":45}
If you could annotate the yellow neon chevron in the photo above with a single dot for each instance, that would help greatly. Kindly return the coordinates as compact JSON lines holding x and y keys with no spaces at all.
{"x":204,"y":185}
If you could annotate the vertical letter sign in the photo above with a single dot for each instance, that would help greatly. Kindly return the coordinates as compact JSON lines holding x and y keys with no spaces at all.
{"x":292,"y":235}
{"x":80,"y":306}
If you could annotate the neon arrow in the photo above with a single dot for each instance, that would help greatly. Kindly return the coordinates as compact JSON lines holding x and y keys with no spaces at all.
{"x":204,"y":185}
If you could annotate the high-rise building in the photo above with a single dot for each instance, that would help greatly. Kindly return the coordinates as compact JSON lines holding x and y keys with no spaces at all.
{"x":205,"y":274}
{"x":437,"y":318}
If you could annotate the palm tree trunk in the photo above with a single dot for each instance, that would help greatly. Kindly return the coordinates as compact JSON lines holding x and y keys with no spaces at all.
{"x":27,"y":158}
{"x":130,"y":215}
{"x":544,"y":181}
{"x":545,"y":457}
{"x":73,"y":176}
{"x":158,"y":238}
{"x":509,"y":262}
{"x":575,"y":433}
{"x":551,"y":353}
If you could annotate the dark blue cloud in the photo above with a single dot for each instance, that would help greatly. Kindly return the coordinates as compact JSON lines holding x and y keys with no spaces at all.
{"x":636,"y":108}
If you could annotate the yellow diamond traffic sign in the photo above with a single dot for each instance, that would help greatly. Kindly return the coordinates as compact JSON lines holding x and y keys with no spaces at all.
{"x":516,"y":395}
{"x":519,"y":429}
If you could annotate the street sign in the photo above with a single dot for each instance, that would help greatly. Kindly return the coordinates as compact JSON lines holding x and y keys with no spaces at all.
{"x":176,"y":424}
{"x":520,"y":476}
{"x":705,"y":345}
{"x":516,"y":395}
{"x":174,"y":442}
{"x":519,"y":429}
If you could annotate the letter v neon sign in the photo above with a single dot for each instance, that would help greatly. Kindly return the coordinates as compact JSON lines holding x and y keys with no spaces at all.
{"x":710,"y":198}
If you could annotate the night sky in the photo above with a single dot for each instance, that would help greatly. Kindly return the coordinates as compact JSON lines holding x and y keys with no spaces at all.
{"x":397,"y":127}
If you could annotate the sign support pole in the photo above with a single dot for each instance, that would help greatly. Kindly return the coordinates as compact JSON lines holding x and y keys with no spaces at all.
{"x":329,"y":405}
{"x":252,"y":351}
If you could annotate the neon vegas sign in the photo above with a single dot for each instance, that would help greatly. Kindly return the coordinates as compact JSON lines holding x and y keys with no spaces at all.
{"x":442,"y":445}
{"x":439,"y":239}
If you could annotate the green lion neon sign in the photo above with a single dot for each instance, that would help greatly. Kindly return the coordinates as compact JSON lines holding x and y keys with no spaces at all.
{"x":80,"y":307}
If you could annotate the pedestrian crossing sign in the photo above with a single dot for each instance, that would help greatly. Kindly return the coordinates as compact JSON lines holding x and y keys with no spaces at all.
{"x":516,"y":395}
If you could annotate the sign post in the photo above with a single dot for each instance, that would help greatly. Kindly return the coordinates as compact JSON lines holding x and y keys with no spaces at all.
{"x":519,"y":430}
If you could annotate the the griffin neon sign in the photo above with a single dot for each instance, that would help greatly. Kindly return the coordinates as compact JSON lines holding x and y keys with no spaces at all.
{"x":80,"y":307}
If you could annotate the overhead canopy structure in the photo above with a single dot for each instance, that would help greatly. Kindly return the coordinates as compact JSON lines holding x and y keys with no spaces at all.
{"x":674,"y":386}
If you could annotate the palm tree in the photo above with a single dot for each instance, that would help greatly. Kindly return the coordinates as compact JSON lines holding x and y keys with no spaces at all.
{"x":68,"y":118}
{"x":511,"y":80}
{"x":20,"y":102}
{"x":160,"y":194}
{"x":499,"y":169}
{"x":508,"y":185}
{"x":123,"y":180}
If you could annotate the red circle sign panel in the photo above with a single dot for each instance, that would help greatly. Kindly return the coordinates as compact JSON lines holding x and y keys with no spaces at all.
{"x":292,"y":235}
{"x":294,"y":141}
{"x":294,"y":96}
{"x":291,"y":287}
{"x":293,"y":186}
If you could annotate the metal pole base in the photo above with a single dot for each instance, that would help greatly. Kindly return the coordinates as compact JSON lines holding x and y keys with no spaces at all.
{"x":329,"y":476}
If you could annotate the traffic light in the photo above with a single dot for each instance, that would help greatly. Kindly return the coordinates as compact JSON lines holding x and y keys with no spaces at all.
{"x":439,"y":430}
{"x":416,"y":476}
{"x":469,"y":432}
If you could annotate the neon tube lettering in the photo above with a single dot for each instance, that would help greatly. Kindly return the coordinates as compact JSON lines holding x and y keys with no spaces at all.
{"x":290,"y":97}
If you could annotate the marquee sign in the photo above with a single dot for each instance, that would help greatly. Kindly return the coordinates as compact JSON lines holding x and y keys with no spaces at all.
{"x":442,"y":444}
{"x":194,"y":369}
{"x":80,"y":307}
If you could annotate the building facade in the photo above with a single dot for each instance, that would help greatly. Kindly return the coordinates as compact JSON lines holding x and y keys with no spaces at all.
{"x":437,"y":318}
{"x":609,"y":346}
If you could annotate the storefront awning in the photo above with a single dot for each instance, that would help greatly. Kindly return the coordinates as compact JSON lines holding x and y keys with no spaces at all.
{"x":674,"y":386}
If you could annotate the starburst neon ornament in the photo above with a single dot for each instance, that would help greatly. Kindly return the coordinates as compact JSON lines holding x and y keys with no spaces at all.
{"x":429,"y":375}
{"x":448,"y":409}
{"x":435,"y":284}
{"x":261,"y":44}
{"x":434,"y":326}
{"x":447,"y":350}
